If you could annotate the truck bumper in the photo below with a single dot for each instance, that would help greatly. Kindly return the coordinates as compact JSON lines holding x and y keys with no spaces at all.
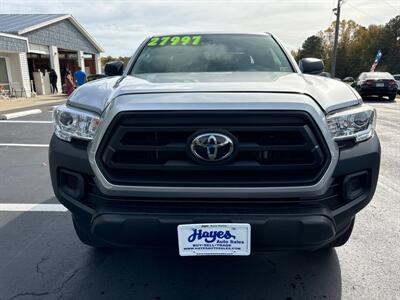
{"x":277,"y":224}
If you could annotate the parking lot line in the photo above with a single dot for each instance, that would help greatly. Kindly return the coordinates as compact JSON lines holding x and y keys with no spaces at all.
{"x":26,"y":121}
{"x":25,"y":207}
{"x":24,"y":145}
{"x":21,"y":114}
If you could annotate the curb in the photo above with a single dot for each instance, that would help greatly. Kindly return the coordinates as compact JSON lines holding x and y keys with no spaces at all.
{"x":33,"y":105}
{"x":20,"y":114}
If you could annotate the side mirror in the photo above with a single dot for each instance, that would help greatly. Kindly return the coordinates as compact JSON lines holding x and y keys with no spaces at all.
{"x":114,"y":68}
{"x":311,"y":66}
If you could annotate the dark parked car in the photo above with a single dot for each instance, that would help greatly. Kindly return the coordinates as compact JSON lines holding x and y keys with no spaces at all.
{"x":376,"y":84}
{"x":348,"y":80}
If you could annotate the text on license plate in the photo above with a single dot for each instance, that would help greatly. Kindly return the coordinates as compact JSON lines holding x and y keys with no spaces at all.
{"x":214,"y":239}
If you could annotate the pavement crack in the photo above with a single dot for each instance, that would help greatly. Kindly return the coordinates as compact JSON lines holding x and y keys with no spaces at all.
{"x":25,"y":294}
{"x":38,"y":270}
{"x":59,"y":290}
{"x":34,"y":294}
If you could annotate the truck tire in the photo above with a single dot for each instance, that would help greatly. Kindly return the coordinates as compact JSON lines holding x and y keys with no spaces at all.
{"x":86,"y":237}
{"x":392,"y":97}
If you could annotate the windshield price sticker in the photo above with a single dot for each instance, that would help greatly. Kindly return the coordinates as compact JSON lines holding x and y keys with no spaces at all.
{"x":214,"y":239}
{"x":187,"y":40}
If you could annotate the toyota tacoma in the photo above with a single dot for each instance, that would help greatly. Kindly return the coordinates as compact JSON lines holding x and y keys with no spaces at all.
{"x":215,"y":144}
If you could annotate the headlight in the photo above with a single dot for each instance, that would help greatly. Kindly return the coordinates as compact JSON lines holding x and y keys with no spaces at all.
{"x":356,"y":123}
{"x":74,"y":123}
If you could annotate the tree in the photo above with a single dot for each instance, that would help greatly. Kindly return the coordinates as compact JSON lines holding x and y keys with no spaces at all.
{"x":312,"y":47}
{"x":391,"y":46}
{"x":357,"y":47}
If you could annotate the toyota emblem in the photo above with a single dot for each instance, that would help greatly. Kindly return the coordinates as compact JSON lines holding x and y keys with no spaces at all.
{"x":212,"y":147}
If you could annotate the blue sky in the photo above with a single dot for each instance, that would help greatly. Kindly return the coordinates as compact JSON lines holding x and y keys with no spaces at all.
{"x":119,"y":26}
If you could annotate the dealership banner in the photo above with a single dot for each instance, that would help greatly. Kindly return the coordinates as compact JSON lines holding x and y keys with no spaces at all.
{"x":376,"y":61}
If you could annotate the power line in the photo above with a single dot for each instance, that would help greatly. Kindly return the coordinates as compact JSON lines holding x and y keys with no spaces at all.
{"x":363,"y":12}
{"x":390,"y":4}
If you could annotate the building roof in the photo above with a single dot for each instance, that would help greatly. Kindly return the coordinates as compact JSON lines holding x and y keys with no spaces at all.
{"x":19,"y":24}
{"x":14,"y":23}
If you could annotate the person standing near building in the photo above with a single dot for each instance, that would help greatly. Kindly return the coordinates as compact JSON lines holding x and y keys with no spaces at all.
{"x":53,"y":81}
{"x":69,"y":83}
{"x":80,"y":77}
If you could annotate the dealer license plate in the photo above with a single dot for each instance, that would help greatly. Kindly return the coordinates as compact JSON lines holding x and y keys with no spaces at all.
{"x":214,"y":239}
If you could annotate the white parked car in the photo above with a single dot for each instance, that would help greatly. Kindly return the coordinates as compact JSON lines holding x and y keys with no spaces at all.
{"x":397,"y":78}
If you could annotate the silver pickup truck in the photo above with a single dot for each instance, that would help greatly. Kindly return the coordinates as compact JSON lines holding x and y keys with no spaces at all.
{"x":216,"y":144}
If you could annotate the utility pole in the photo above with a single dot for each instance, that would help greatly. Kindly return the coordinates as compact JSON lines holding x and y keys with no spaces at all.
{"x":335,"y":44}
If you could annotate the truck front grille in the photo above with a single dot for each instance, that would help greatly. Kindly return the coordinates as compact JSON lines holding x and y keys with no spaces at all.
{"x":273,"y":148}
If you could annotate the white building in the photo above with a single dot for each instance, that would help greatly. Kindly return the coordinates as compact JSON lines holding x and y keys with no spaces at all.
{"x":31,"y":43}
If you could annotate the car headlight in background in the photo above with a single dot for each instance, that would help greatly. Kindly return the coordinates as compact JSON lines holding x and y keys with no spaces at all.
{"x":74,"y":123}
{"x":355,"y":123}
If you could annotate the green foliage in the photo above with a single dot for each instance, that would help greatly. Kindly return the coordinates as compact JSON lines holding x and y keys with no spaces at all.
{"x":312,"y":47}
{"x":357,"y":47}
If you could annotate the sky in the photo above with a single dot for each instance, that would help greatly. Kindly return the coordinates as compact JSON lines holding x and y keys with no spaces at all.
{"x":120,"y":26}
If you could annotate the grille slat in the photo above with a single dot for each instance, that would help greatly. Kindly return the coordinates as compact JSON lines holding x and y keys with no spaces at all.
{"x":167,"y":147}
{"x":273,"y":148}
{"x":177,"y":165}
{"x":241,"y":147}
{"x":257,"y":147}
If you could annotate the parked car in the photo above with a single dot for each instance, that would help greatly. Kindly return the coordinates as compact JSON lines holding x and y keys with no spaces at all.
{"x":215,"y":144}
{"x":376,"y":84}
{"x":348,"y":80}
{"x":397,"y":78}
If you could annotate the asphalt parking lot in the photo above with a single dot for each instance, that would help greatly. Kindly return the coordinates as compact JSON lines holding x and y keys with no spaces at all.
{"x":41,"y":258}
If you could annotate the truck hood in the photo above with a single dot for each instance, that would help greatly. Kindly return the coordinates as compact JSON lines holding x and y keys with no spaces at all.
{"x":329,"y":94}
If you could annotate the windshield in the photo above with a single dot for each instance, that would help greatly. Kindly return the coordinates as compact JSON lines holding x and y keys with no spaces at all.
{"x":211,"y":53}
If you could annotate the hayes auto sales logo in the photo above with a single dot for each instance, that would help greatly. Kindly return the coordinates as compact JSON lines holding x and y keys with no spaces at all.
{"x":210,"y":236}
